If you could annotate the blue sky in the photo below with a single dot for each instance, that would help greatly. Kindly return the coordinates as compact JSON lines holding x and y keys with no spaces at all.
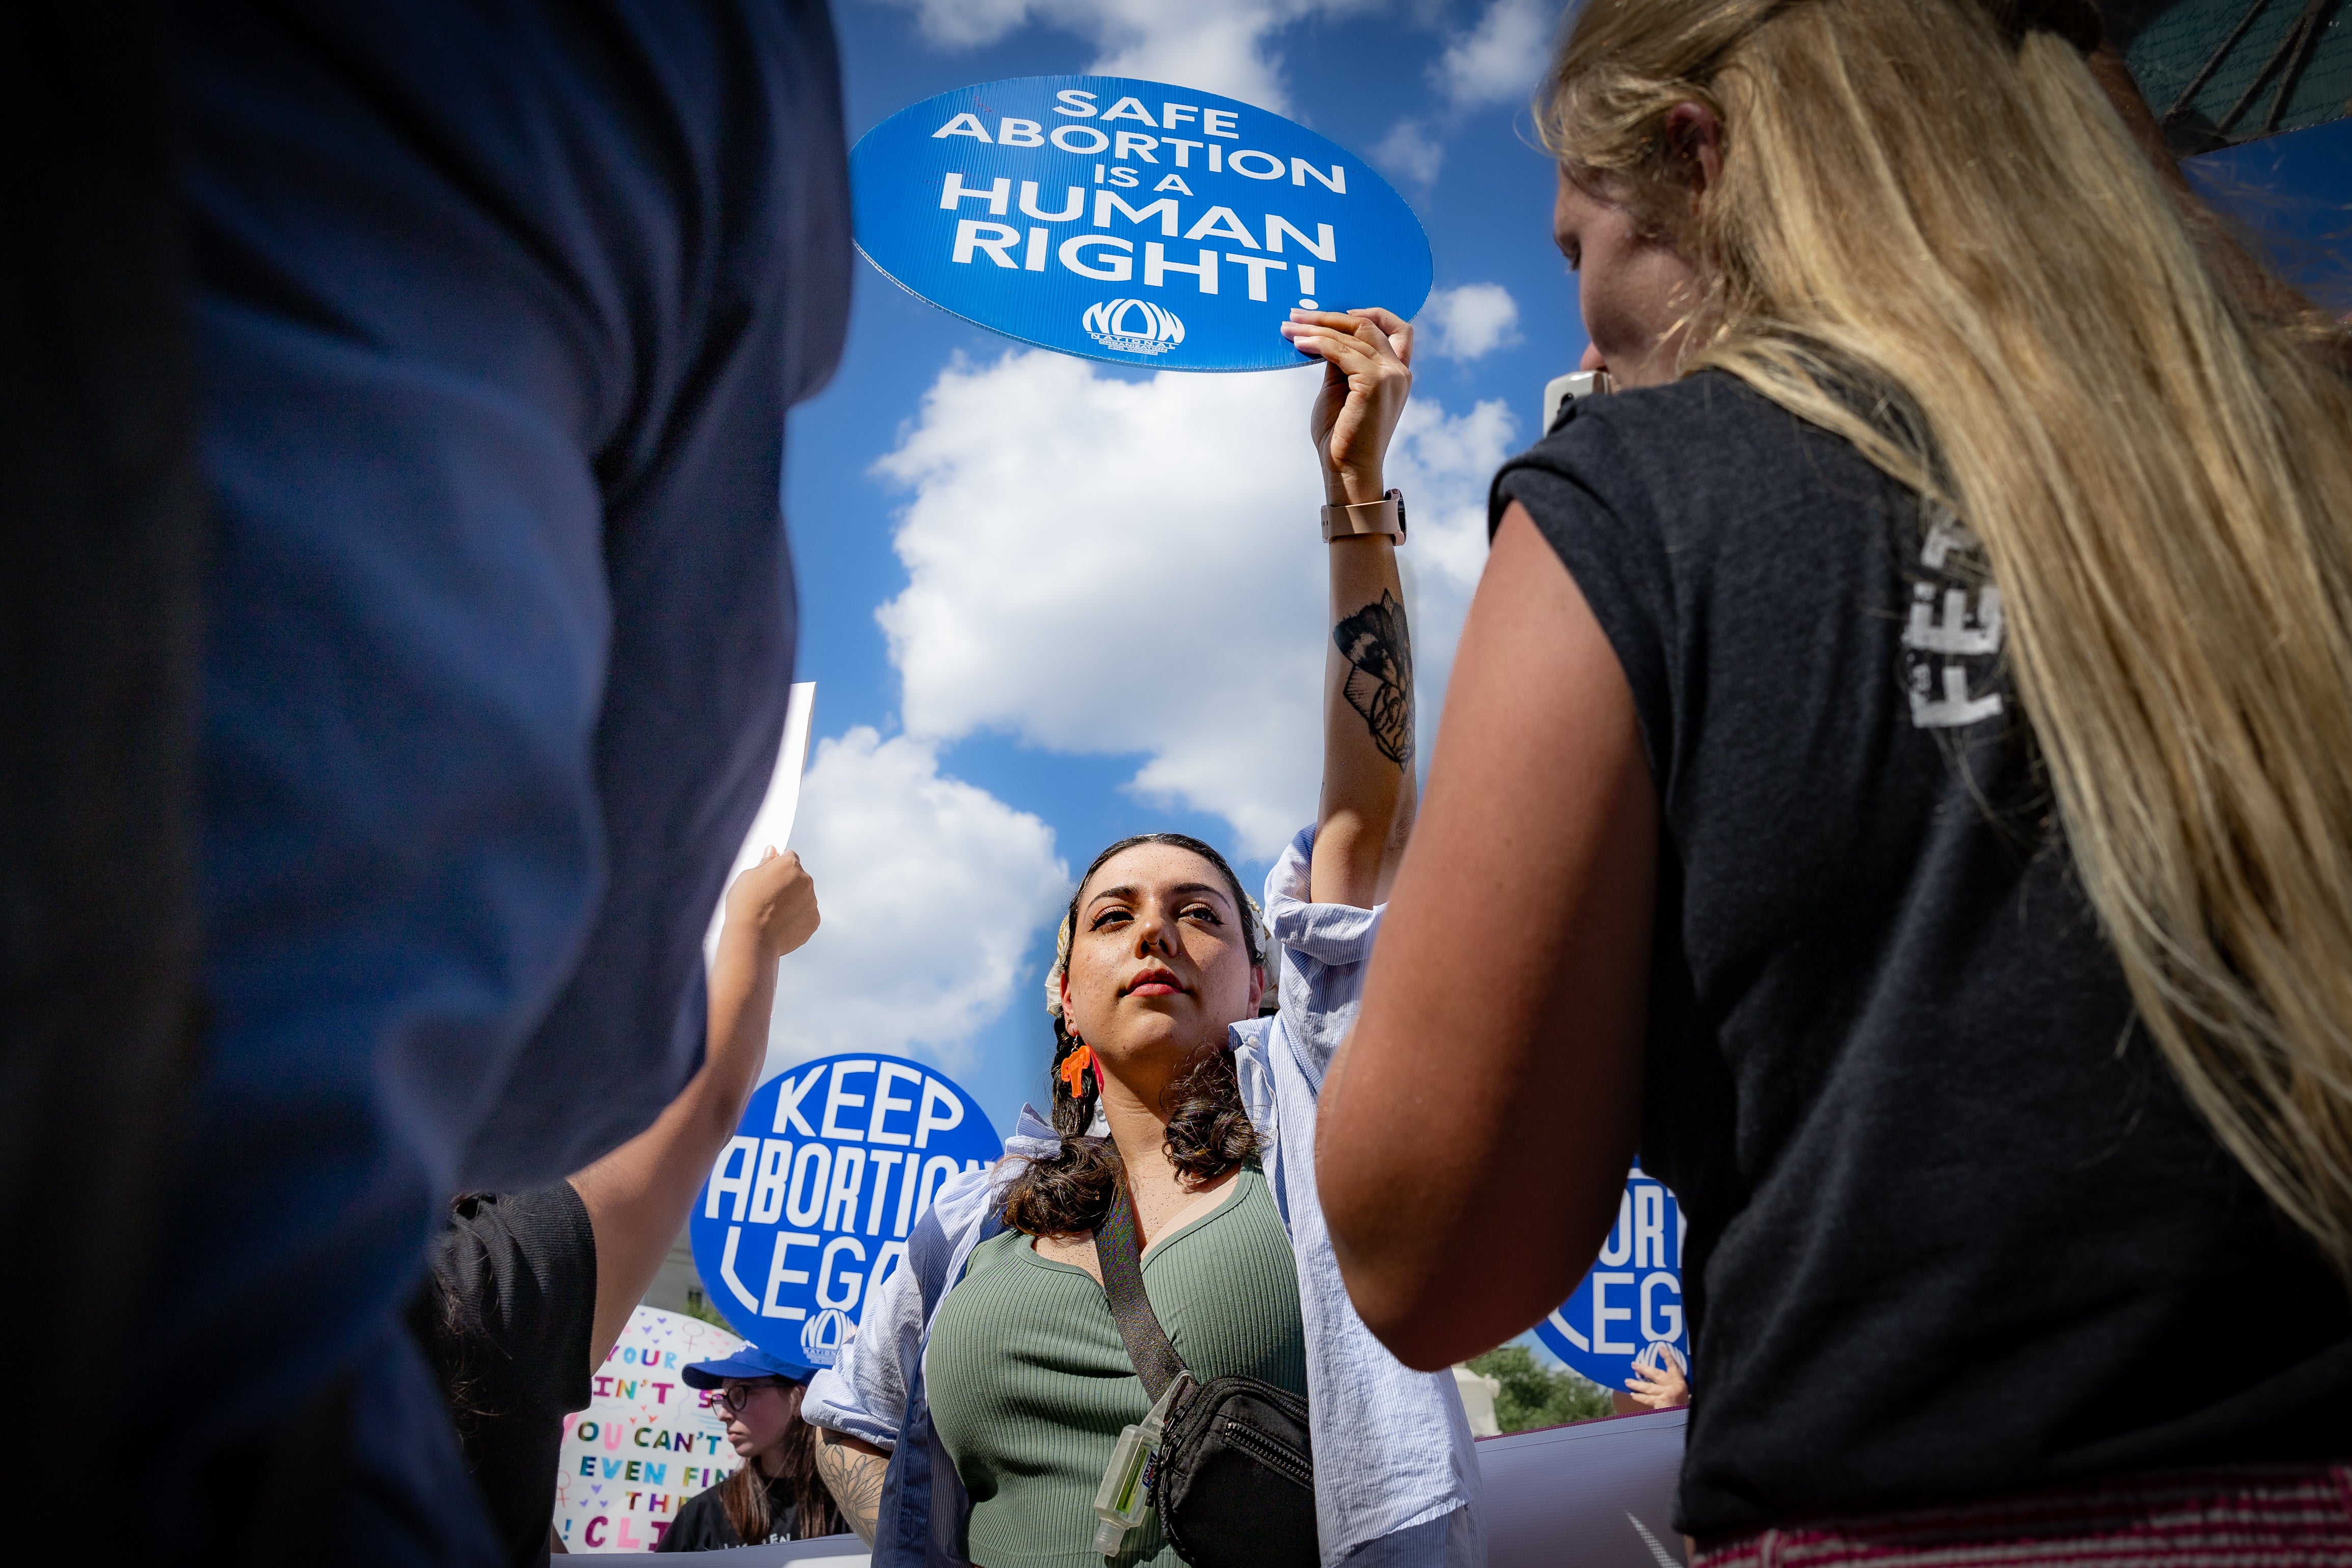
{"x":1108,"y":612}
{"x":1352,"y":72}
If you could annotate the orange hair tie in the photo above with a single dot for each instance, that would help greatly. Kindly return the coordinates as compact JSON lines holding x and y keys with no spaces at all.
{"x":1074,"y":1069}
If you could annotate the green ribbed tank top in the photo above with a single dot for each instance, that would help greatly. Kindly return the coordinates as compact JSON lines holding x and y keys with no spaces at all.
{"x":1029,"y":1385}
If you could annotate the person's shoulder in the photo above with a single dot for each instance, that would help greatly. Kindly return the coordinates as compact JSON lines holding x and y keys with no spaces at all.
{"x":700,"y":1526}
{"x":1676,"y":463}
{"x":1003,"y":1243}
{"x":524,"y":1264}
{"x":549,"y":1222}
{"x":966,"y":1199}
{"x":998,"y":1250}
{"x":1703,"y":421}
{"x":1251,"y":1036}
{"x":1704,"y":396}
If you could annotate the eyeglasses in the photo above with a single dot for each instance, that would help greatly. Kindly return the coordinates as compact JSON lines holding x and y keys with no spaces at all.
{"x":734,"y":1399}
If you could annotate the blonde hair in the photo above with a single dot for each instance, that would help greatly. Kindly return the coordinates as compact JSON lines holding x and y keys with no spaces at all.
{"x":1942,"y":243}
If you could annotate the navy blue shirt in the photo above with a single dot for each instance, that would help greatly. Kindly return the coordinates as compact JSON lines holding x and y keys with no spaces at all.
{"x":500,"y":308}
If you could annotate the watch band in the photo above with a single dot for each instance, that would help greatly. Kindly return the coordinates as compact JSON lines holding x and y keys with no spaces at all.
{"x":1385,"y":515}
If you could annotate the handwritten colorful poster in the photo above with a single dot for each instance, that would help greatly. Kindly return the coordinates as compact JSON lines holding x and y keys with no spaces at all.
{"x":647,"y":1442}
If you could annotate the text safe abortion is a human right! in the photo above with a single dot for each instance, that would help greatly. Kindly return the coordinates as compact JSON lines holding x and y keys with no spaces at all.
{"x":1130,"y":221}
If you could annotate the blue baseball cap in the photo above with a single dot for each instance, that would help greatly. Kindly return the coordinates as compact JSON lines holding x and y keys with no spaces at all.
{"x":744,"y":1365}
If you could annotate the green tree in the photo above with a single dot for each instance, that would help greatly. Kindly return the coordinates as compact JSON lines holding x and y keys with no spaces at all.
{"x":1535,"y":1396}
{"x":698,"y":1306}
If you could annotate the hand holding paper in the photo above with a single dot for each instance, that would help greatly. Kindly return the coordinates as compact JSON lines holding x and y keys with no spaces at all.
{"x":772,"y":905}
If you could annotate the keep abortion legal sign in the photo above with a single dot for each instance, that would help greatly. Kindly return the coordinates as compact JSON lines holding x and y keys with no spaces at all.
{"x":1130,"y":221}
{"x":808,"y":1208}
{"x":1632,"y":1299}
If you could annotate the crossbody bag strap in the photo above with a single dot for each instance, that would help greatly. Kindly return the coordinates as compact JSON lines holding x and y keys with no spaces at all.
{"x":1120,"y":1257}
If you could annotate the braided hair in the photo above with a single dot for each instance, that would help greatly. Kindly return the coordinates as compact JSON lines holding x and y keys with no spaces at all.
{"x":1209,"y":1132}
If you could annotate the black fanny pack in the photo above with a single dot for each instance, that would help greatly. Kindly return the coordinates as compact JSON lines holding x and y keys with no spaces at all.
{"x":1233,"y":1479}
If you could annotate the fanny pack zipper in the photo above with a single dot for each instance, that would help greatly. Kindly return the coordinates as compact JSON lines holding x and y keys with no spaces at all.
{"x":1267,"y":1452}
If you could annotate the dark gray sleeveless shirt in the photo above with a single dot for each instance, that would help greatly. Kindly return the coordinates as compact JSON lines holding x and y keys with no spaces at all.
{"x":1954,"y":1230}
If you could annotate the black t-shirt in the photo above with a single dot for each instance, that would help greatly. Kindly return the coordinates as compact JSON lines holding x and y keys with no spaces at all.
{"x":1954,"y":1230}
{"x":702,"y":1523}
{"x":506,"y":1320}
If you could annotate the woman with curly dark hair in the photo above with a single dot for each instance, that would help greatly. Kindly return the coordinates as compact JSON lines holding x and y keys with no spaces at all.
{"x":978,"y":1411}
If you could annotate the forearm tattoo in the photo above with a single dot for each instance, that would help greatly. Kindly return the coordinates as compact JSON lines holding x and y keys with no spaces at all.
{"x":854,"y":1479}
{"x":1379,"y":650}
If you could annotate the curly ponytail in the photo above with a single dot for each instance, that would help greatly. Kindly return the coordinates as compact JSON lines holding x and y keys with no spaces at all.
{"x":1209,"y":1132}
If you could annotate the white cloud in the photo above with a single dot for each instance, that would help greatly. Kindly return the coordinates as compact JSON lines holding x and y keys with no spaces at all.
{"x":1498,"y":60}
{"x":1219,"y":45}
{"x":931,"y":889}
{"x":966,"y":24}
{"x":1108,"y":566}
{"x":1501,"y":57}
{"x":1410,"y":151}
{"x":1471,"y":320}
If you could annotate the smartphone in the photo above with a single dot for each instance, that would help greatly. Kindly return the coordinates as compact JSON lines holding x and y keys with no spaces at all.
{"x":1560,"y":389}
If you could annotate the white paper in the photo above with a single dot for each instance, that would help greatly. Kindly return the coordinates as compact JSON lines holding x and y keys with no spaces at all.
{"x":772,"y":823}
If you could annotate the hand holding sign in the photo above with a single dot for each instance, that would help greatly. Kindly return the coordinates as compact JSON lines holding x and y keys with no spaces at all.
{"x":1367,"y":376}
{"x":1660,"y":1381}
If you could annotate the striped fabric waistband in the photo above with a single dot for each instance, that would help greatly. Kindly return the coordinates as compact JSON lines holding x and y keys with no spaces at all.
{"x":2283,"y":1516}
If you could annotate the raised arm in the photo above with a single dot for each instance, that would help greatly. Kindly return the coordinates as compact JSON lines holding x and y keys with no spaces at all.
{"x":1366,"y":809}
{"x":637,"y":1195}
{"x":1476,"y":1126}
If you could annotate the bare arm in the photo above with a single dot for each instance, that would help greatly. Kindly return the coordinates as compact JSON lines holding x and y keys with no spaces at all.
{"x":1367,"y":701}
{"x":637,"y":1195}
{"x":852,"y":1469}
{"x":1498,"y":1051}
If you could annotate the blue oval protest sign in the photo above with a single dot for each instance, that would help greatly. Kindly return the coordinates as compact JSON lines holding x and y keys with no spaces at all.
{"x":1130,"y":221}
{"x":808,"y":1208}
{"x":1632,"y":1299}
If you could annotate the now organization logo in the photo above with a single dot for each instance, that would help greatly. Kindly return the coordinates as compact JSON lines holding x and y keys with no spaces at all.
{"x":1133,"y":326}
